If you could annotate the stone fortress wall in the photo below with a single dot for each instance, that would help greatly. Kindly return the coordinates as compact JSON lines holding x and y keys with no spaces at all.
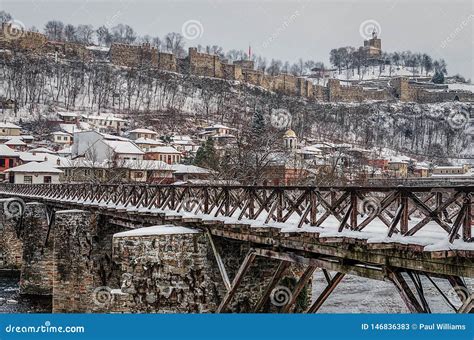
{"x":208,"y":65}
{"x":137,"y":55}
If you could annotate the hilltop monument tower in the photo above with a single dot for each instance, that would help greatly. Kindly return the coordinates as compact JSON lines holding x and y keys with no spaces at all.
{"x":373,"y":46}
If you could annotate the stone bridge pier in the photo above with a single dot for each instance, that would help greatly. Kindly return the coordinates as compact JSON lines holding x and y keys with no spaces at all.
{"x":37,"y":270}
{"x":88,"y":263}
{"x":11,"y":245}
{"x":177,"y":269}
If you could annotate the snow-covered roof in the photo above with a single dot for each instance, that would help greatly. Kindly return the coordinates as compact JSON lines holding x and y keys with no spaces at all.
{"x":106,"y":118}
{"x":145,"y":165}
{"x":35,"y":167}
{"x":6,"y":151}
{"x":60,"y":133}
{"x":216,"y":126}
{"x":5,"y":125}
{"x":55,"y":160}
{"x":123,"y":147}
{"x":399,"y":159}
{"x":42,"y":150}
{"x":342,"y":145}
{"x":182,"y":142}
{"x":29,"y":157}
{"x":449,"y":167}
{"x":67,"y":114}
{"x":148,"y":141}
{"x":105,"y":136}
{"x":65,"y":151}
{"x":69,"y":128}
{"x":165,"y":149}
{"x":126,"y":164}
{"x":323,"y":145}
{"x":223,"y":136}
{"x":188,"y":169}
{"x":310,"y":149}
{"x":15,"y":141}
{"x":22,"y":137}
{"x":181,"y":138}
{"x":143,"y":131}
{"x":112,"y":137}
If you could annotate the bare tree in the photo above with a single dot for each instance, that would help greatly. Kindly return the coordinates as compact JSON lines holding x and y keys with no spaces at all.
{"x":5,"y":17}
{"x":157,"y":43}
{"x":103,"y":36}
{"x":175,"y":44}
{"x":123,"y":34}
{"x":275,"y":67}
{"x":216,"y":50}
{"x":54,"y":30}
{"x":70,"y":33}
{"x":85,"y":34}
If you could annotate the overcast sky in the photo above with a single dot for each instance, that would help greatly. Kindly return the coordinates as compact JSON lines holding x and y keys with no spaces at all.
{"x":285,"y":30}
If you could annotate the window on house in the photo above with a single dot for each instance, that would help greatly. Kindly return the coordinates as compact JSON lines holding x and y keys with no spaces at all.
{"x":2,"y":162}
{"x":87,"y":172}
{"x":47,"y":179}
{"x":27,"y":179}
{"x":11,"y":163}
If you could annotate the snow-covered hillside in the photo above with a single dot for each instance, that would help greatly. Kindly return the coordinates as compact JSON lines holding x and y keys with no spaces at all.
{"x":42,"y":88}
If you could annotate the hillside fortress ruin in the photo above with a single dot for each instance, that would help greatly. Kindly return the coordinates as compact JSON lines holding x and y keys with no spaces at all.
{"x":196,"y":63}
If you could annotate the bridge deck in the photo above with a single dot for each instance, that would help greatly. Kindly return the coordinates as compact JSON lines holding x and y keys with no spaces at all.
{"x":292,"y":229}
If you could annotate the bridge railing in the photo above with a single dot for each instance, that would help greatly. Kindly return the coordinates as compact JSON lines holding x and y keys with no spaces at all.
{"x":402,"y":210}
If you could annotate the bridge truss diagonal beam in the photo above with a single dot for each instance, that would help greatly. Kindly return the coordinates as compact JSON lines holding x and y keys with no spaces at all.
{"x":248,"y":260}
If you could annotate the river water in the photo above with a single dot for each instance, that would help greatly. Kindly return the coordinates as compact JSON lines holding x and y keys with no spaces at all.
{"x":12,"y":302}
{"x":353,"y":295}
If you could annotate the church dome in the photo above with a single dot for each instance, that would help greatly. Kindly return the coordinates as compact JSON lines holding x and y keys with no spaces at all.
{"x":290,"y":134}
